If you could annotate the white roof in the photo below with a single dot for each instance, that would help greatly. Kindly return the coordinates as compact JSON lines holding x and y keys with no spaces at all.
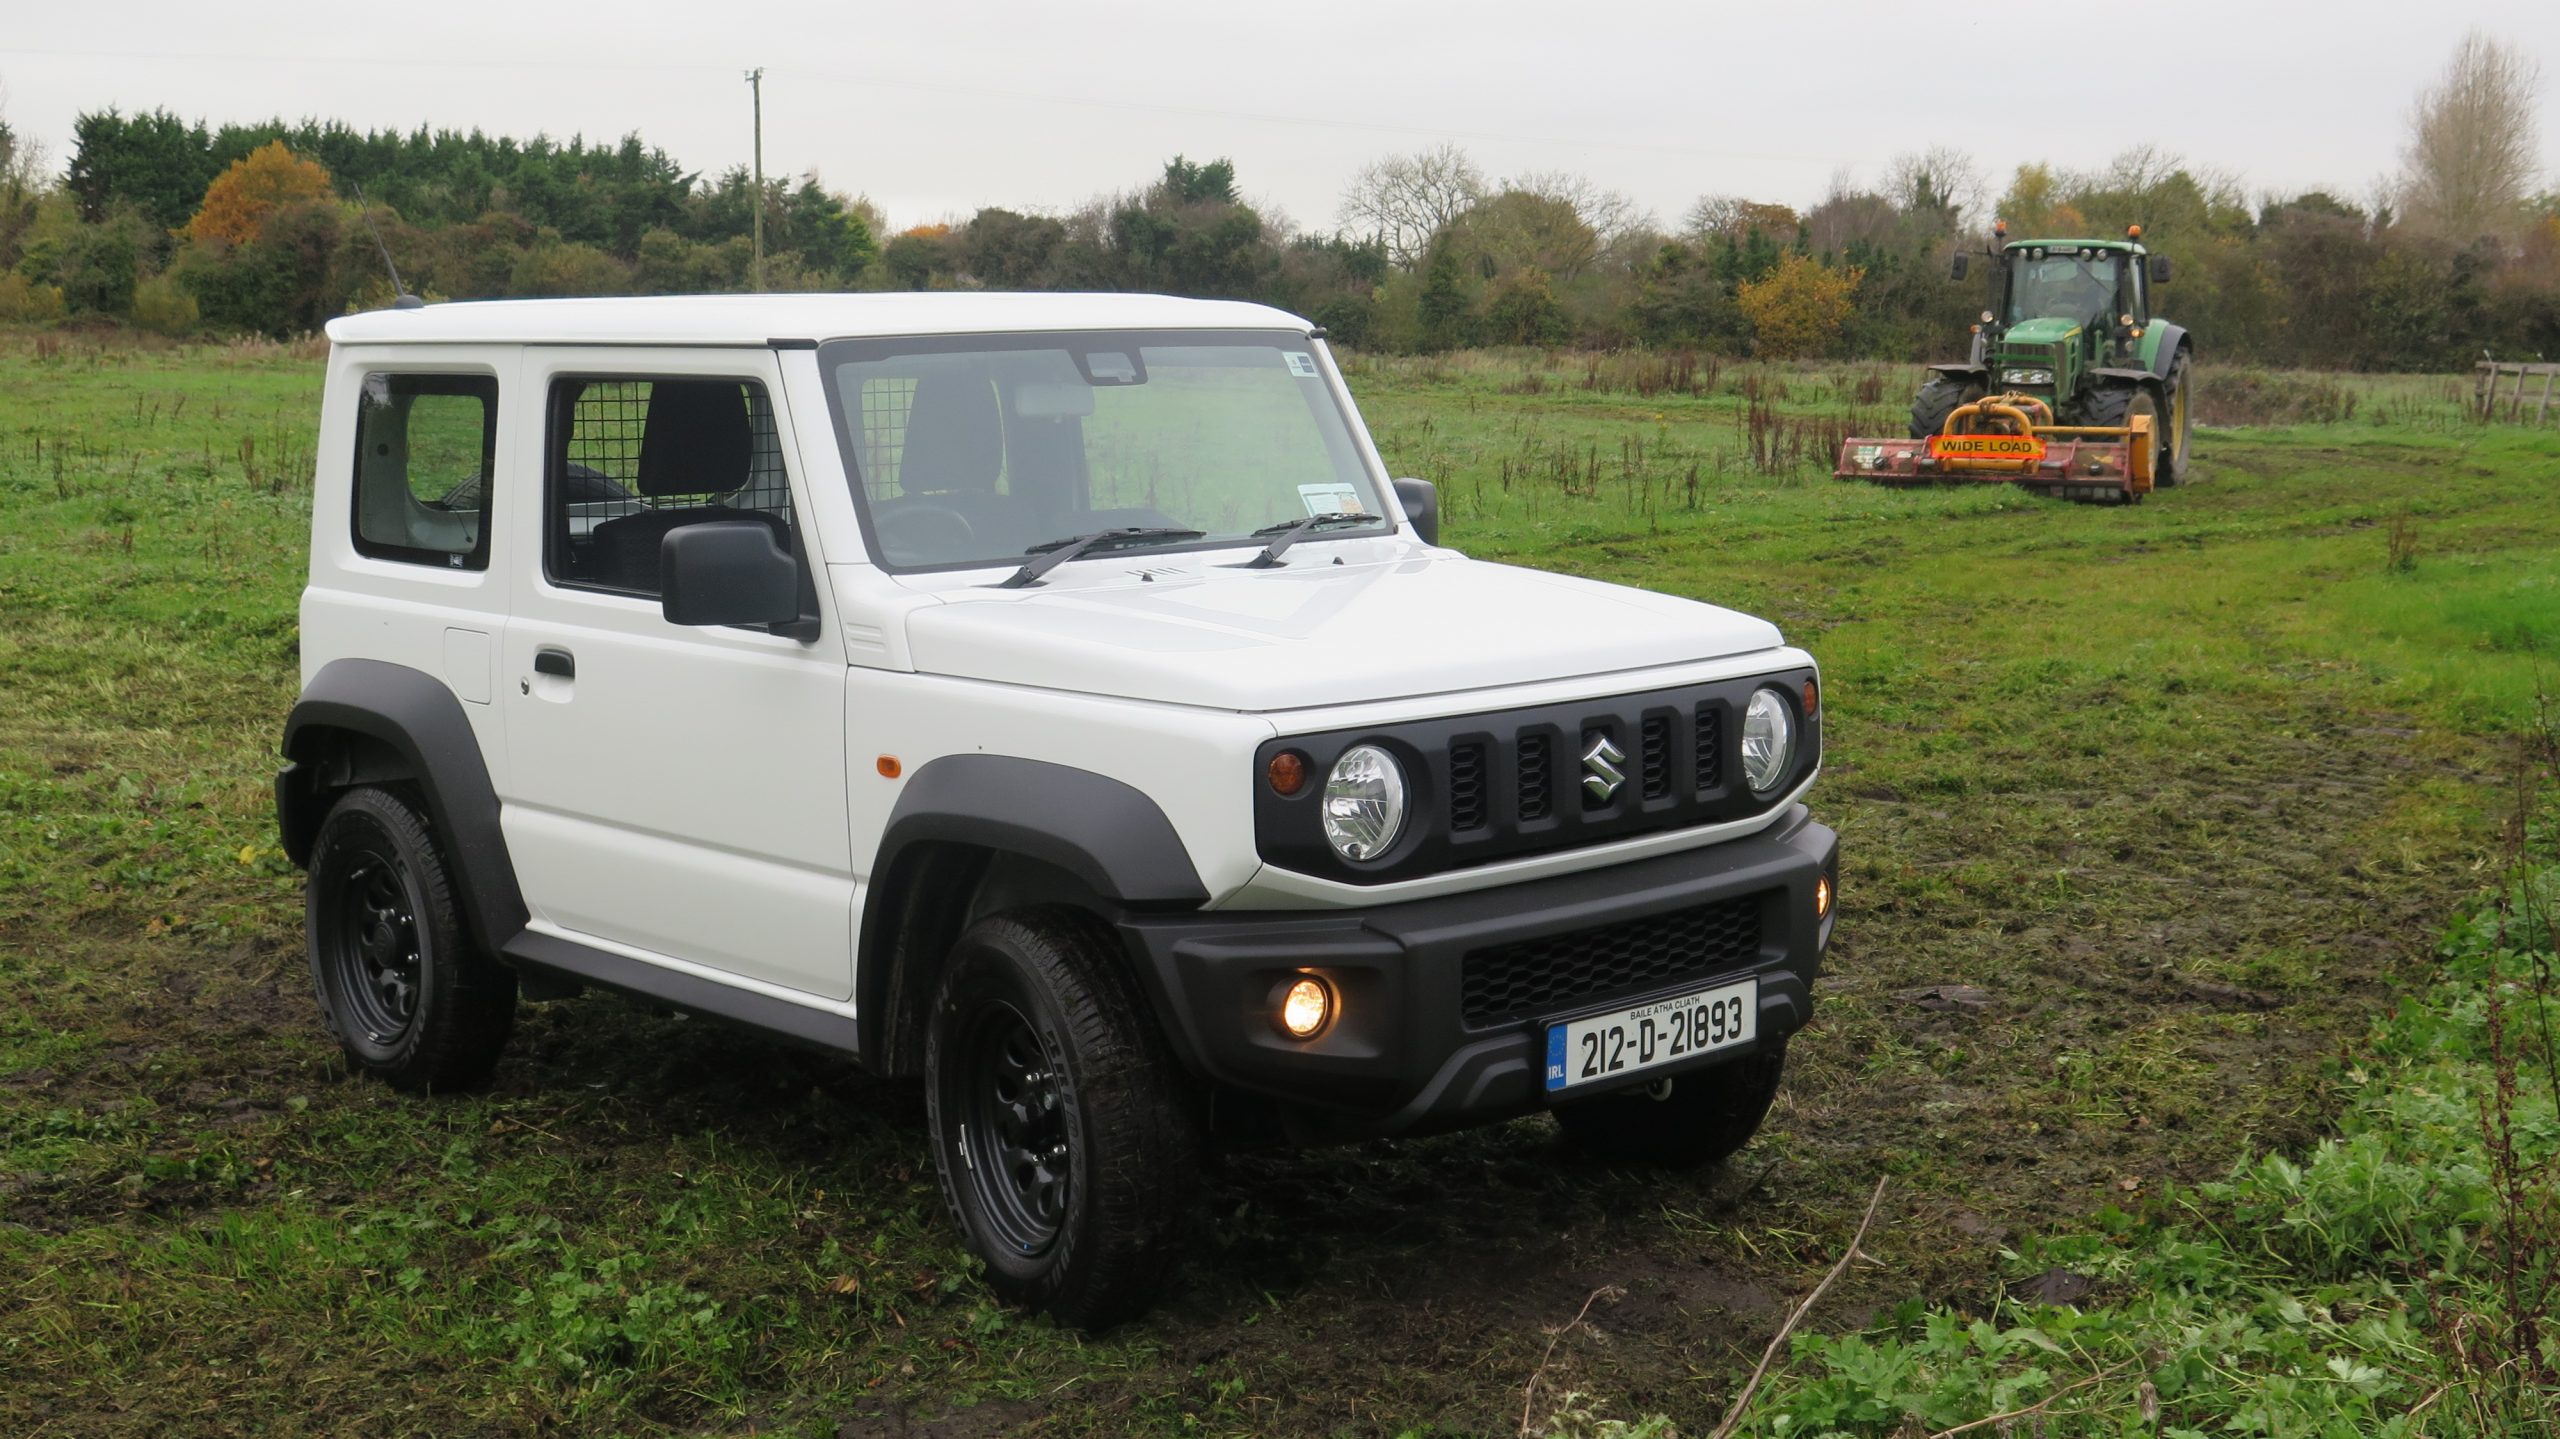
{"x":755,"y":319}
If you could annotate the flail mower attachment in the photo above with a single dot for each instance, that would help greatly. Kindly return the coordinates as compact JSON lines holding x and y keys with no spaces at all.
{"x":2012,"y":439}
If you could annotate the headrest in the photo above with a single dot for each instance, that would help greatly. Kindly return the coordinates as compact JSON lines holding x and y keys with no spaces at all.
{"x":695,"y":440}
{"x":955,"y":437}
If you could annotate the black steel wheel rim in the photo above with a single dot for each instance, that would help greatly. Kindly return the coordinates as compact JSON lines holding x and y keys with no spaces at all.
{"x":1014,"y":1141}
{"x":375,"y":952}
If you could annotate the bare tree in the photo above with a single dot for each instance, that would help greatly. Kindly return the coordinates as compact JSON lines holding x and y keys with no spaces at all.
{"x":1611,"y":215}
{"x":22,"y":182}
{"x":1941,"y":178}
{"x":1404,"y":200}
{"x":2471,"y":154}
{"x":1729,"y":216}
{"x":1712,"y":215}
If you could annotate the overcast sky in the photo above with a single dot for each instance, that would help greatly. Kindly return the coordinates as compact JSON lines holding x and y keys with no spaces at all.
{"x":934,"y":109}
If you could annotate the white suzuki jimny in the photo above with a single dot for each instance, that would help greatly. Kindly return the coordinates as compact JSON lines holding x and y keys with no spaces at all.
{"x":1050,"y":696}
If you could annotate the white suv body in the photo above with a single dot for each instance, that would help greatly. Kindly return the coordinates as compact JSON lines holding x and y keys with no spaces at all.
{"x":520,"y":625}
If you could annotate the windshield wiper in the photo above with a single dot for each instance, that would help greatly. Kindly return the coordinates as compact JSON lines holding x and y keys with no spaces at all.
{"x":1290,"y":532}
{"x":1052,"y":553}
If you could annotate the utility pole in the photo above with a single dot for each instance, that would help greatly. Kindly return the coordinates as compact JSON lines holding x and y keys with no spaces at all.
{"x":755,"y":82}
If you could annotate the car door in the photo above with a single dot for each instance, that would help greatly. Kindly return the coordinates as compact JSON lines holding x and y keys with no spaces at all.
{"x":674,"y":793}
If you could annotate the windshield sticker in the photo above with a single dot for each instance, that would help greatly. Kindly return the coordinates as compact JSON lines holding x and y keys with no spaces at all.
{"x":1333,"y":499}
{"x":1302,"y":364}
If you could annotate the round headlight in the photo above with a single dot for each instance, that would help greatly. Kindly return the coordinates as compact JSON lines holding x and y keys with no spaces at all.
{"x":1768,"y":740}
{"x":1363,"y":802}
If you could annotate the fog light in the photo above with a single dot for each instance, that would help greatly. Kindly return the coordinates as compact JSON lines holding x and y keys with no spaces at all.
{"x":1305,"y":1008}
{"x":1822,"y":897}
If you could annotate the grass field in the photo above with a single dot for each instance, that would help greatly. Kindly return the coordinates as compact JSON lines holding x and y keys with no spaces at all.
{"x":2183,"y":793}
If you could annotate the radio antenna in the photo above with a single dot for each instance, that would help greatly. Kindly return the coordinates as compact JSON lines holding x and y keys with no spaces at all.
{"x":402,"y":300}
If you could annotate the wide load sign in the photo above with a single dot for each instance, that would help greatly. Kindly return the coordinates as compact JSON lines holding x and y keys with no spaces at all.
{"x":2011,"y":449}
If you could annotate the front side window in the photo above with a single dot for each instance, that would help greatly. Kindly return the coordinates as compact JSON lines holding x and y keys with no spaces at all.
{"x":979,"y":450}
{"x":2079,"y":286}
{"x":632,"y":460}
{"x":425,"y":448}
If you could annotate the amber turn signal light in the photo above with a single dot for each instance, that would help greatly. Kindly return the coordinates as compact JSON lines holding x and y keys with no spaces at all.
{"x":1287,"y":772}
{"x":1812,"y":698}
{"x":1822,"y":897}
{"x":889,"y":767}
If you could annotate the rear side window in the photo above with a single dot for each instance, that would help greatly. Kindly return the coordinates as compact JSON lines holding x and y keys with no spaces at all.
{"x":632,"y":460}
{"x":425,"y":448}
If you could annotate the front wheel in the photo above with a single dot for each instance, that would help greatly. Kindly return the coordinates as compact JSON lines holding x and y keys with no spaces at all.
{"x":1690,"y":1120}
{"x":1942,"y":396}
{"x":2115,"y":405}
{"x":408,"y":997}
{"x":1066,"y":1153}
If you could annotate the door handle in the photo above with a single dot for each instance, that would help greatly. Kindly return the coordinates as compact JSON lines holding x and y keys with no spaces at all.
{"x":555,"y":662}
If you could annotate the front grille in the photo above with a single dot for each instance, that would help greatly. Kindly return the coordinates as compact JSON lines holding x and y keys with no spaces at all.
{"x":1466,"y":786}
{"x":1657,"y":756}
{"x":1537,"y":786}
{"x":1710,"y":725}
{"x":1568,"y":971}
{"x":1495,"y":785}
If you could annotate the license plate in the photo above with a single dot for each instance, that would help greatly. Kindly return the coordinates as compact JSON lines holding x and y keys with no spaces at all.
{"x":1609,"y":1046}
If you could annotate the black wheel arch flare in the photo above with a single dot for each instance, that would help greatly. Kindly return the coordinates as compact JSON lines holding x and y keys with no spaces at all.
{"x":370,"y":722}
{"x":1109,"y":836}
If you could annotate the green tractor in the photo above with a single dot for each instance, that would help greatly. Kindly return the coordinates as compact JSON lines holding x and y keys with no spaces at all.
{"x":2070,"y":324}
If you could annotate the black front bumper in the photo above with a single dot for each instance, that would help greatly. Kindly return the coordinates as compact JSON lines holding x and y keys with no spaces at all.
{"x":1415,"y":1047}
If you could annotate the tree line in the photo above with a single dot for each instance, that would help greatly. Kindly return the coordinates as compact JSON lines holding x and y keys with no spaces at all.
{"x":173,"y":225}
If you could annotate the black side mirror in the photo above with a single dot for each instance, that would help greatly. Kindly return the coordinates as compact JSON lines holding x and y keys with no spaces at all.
{"x":2159,"y":269}
{"x":727,"y":572}
{"x":1421,"y":501}
{"x":1962,"y":263}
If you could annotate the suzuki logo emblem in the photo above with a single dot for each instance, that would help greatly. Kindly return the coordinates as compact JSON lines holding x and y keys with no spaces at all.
{"x":1600,"y":772}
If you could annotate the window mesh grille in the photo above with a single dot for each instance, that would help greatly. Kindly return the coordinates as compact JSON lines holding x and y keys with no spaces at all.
{"x":608,"y":423}
{"x":605,"y":424}
{"x":886,"y":402}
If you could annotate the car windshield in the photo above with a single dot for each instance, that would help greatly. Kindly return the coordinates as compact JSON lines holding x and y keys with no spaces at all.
{"x":977,"y":450}
{"x":2062,"y":285}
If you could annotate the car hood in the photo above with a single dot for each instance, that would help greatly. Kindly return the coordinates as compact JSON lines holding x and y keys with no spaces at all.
{"x":1384,"y":622}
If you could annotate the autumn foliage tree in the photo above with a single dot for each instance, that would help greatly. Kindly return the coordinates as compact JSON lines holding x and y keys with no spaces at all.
{"x":1798,"y":308}
{"x":242,"y":198}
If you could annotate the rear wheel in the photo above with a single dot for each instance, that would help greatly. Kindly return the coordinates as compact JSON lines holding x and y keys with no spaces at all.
{"x":1680,"y":1123}
{"x":1066,"y":1153}
{"x":401,"y":987}
{"x":1942,"y":396}
{"x":2178,"y":443}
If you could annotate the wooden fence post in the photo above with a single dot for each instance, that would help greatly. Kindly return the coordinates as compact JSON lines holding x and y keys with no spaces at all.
{"x":2485,"y":395}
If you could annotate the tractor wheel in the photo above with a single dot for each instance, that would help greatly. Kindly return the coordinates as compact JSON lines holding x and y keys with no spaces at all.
{"x":2114,"y":405}
{"x":2180,"y":438}
{"x":1942,"y":396}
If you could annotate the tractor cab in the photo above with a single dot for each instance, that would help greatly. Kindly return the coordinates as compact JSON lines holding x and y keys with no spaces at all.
{"x":2089,"y":297}
{"x":2081,"y":283}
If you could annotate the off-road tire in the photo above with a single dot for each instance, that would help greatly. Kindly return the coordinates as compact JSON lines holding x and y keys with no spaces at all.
{"x":1705,"y":1117}
{"x":401,"y":986}
{"x":1091,"y":1231}
{"x":2116,"y":404}
{"x":2181,"y":421}
{"x":1940,"y":397}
